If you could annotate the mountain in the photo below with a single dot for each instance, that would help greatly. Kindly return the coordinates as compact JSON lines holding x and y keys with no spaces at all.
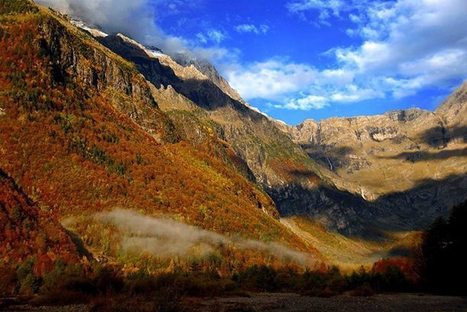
{"x":412,"y":164}
{"x":277,"y":164}
{"x":81,"y":132}
{"x":308,"y":184}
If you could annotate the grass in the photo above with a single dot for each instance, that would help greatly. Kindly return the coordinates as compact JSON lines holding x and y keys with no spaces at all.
{"x":346,"y":252}
{"x":17,"y":7}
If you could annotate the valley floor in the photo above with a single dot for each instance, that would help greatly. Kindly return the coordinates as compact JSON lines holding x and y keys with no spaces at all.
{"x":289,"y":302}
{"x":297,"y":303}
{"x":349,"y":253}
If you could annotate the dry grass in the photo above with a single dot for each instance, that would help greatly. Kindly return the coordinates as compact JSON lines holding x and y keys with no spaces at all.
{"x":348,"y":253}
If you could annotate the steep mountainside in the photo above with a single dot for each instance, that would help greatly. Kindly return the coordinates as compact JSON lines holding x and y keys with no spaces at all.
{"x":26,"y":230}
{"x":81,"y":132}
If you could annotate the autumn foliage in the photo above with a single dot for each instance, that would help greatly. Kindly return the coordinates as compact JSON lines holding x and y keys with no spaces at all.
{"x":80,"y":133}
{"x":27,"y":232}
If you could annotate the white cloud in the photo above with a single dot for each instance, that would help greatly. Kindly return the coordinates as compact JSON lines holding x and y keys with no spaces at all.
{"x":270,"y":79}
{"x":406,"y":46}
{"x":327,"y":6}
{"x":305,"y":103}
{"x":325,"y":9}
{"x":420,"y":43}
{"x":135,"y":18}
{"x":324,"y":95}
{"x":297,"y":86}
{"x":212,"y":36}
{"x":250,"y":28}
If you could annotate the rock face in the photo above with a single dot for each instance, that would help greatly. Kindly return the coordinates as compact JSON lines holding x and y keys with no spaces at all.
{"x":252,"y":135}
{"x":404,"y":161}
{"x":209,"y":71}
{"x":454,"y":114}
{"x":351,"y":143}
{"x":75,"y":57}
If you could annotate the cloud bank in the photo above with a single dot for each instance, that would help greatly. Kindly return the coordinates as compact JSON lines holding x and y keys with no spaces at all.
{"x":168,"y":238}
{"x":405,"y":46}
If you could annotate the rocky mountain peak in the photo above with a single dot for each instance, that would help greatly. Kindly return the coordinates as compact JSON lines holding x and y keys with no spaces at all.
{"x":453,"y":111}
{"x":210,"y":71}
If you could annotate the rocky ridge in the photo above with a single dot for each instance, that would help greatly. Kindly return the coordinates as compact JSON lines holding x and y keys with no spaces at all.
{"x":411,"y":163}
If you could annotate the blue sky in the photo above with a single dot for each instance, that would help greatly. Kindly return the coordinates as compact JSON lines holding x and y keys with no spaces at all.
{"x":299,"y":59}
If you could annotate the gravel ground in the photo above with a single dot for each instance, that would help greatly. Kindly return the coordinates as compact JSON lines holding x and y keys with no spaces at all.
{"x":297,"y":303}
{"x":28,"y":308}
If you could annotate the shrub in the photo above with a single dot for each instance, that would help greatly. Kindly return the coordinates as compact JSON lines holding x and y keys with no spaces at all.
{"x":65,"y":277}
{"x":8,"y":280}
{"x":28,"y":283}
{"x":108,"y":281}
{"x":392,"y":279}
{"x":17,"y":6}
{"x":258,"y":277}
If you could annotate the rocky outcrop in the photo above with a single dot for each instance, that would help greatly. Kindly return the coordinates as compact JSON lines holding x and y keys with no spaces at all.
{"x":210,"y":72}
{"x":74,"y":57}
{"x":354,"y":143}
{"x":452,"y":109}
